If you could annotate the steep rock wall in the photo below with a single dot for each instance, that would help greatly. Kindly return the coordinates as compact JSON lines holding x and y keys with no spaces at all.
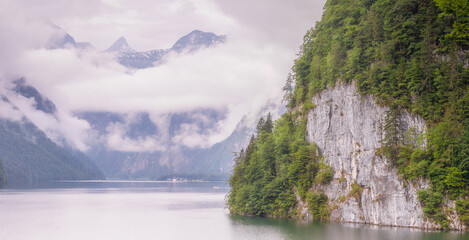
{"x":347,"y":128}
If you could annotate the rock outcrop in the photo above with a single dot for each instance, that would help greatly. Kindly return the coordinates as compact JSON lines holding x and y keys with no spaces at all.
{"x":347,"y":127}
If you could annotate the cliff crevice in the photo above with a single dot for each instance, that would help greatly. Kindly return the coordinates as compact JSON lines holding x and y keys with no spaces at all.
{"x":347,"y":128}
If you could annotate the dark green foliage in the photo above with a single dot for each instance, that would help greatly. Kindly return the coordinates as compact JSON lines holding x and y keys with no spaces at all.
{"x":432,"y":202}
{"x":277,"y":163}
{"x":391,"y":143}
{"x":397,"y":50}
{"x":268,"y":125}
{"x":462,"y":207}
{"x":325,"y":174}
{"x":318,"y":206}
{"x":458,"y":12}
{"x":260,"y":125}
{"x":412,"y":55}
{"x":28,"y":156}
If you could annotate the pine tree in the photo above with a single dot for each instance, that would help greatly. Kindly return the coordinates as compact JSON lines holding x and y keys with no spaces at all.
{"x":392,"y":133}
{"x":260,"y":125}
{"x":288,"y":89}
{"x":268,"y":125}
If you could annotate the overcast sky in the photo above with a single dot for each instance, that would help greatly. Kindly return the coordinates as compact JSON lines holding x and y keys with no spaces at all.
{"x":238,"y":77}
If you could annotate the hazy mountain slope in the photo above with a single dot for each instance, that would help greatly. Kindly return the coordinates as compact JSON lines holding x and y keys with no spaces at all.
{"x":175,"y":159}
{"x":217,"y":161}
{"x":29,"y":156}
{"x":171,"y":157}
{"x":62,"y":39}
{"x":3,"y":176}
{"x":42,"y":103}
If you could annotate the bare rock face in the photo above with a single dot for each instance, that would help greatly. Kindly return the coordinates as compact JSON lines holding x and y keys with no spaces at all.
{"x":366,"y":189}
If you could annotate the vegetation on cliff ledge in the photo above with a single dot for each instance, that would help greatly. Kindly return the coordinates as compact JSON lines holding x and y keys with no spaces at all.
{"x":411,"y":55}
{"x":277,"y":166}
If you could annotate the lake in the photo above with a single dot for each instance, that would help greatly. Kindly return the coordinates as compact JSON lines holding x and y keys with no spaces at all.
{"x":159,"y":210}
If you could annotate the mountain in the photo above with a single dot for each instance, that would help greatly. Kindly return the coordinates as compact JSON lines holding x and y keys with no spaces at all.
{"x":377,"y":128}
{"x":189,"y":43}
{"x":61,"y":39}
{"x":66,"y":41}
{"x":120,"y":46}
{"x":196,"y":40}
{"x":169,"y":159}
{"x":129,"y":57}
{"x":199,"y":163}
{"x":42,"y":103}
{"x":29,"y":156}
{"x":216,"y":162}
{"x":3,"y":176}
{"x":141,"y":60}
{"x":212,"y":163}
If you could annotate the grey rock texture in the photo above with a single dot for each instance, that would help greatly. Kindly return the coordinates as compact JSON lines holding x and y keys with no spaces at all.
{"x":347,"y":128}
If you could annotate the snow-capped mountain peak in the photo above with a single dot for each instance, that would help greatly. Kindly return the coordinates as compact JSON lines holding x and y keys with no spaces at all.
{"x":195,"y":40}
{"x":121,"y":46}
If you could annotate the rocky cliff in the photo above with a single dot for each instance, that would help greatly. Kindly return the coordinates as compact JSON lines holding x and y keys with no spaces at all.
{"x":347,"y":128}
{"x":365,"y":162}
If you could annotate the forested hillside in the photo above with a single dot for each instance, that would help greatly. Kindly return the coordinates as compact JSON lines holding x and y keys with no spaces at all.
{"x":28,"y":156}
{"x":410,"y":55}
{"x":3,"y":176}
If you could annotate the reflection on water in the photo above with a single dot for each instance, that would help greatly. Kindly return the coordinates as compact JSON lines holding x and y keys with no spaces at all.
{"x":264,"y":228}
{"x":158,"y":210}
{"x":162,"y":186}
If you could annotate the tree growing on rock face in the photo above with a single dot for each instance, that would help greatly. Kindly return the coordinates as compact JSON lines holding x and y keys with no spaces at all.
{"x":392,"y":133}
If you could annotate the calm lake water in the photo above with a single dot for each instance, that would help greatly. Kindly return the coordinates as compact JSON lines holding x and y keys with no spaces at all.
{"x":158,"y":210}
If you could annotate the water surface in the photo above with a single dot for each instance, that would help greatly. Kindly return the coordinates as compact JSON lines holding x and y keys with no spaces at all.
{"x":159,"y":210}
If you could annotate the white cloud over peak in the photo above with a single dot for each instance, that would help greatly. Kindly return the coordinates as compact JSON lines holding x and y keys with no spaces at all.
{"x":238,"y":77}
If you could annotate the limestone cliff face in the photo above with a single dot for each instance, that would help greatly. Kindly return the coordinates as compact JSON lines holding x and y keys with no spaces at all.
{"x":347,"y":128}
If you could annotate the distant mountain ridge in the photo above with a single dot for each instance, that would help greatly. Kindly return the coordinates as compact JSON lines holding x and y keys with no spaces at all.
{"x":28,"y":156}
{"x":42,"y":103}
{"x":189,"y":43}
{"x":132,"y":58}
{"x":62,"y":39}
{"x":196,"y":40}
{"x":212,"y":163}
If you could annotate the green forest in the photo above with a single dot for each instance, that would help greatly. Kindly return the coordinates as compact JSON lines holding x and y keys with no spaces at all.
{"x":27,"y":156}
{"x":3,"y":176}
{"x":277,"y":165}
{"x":411,"y":55}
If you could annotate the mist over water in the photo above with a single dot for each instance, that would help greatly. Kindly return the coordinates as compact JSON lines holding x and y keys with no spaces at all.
{"x":158,"y":210}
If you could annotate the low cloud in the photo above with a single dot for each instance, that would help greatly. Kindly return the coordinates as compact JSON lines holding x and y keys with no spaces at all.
{"x":117,"y":139}
{"x":236,"y":78}
{"x":61,"y":127}
{"x":8,"y":111}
